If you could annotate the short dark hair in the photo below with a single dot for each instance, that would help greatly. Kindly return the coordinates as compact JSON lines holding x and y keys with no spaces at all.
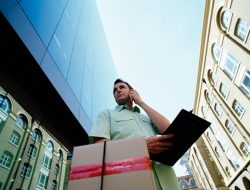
{"x":120,"y":80}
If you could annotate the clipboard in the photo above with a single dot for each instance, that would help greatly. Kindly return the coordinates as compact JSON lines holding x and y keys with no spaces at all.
{"x":186,"y":128}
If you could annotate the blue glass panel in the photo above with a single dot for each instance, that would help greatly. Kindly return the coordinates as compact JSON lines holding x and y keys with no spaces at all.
{"x":44,"y":16}
{"x":52,"y":72}
{"x":86,"y":95}
{"x":72,"y":14}
{"x":75,"y":72}
{"x":79,"y":4}
{"x":61,"y":46}
{"x":63,"y":3}
{"x":85,"y":121}
{"x":71,"y":101}
{"x":95,"y":102}
{"x":24,"y":29}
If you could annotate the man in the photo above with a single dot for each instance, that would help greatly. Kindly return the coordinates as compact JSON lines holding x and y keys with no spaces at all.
{"x":126,"y":121}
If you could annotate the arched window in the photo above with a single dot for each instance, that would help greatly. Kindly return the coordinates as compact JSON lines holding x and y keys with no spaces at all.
{"x":60,"y":155}
{"x":14,"y":138}
{"x":192,"y":182}
{"x":216,"y":52}
{"x":213,"y":78}
{"x":210,"y":97}
{"x":49,"y":146}
{"x":36,"y":136}
{"x":226,"y":18}
{"x":208,"y":136}
{"x":223,"y":90}
{"x":238,"y":108}
{"x":26,"y":170}
{"x":218,"y":109}
{"x":5,"y":104}
{"x":204,"y":111}
{"x":217,"y":152}
{"x":213,"y":127}
{"x":183,"y":184}
{"x":245,"y":84}
{"x":242,"y":29}
{"x":245,"y":149}
{"x":47,"y":159}
{"x":20,"y":122}
{"x":228,"y":171}
{"x":229,"y":126}
{"x":32,"y":151}
{"x":57,"y":169}
{"x":6,"y":159}
{"x":54,"y":184}
{"x":231,"y":66}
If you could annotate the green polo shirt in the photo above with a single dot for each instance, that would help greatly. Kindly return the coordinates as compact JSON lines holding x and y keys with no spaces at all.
{"x":123,"y":123}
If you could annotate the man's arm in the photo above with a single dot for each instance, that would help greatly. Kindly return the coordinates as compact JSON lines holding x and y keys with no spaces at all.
{"x":160,"y":122}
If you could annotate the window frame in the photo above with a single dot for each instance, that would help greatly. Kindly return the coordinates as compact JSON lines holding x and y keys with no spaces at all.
{"x":28,"y":169}
{"x":22,"y":127}
{"x":226,"y":19}
{"x":245,"y":149}
{"x":7,"y":163}
{"x":238,"y":109}
{"x":31,"y":151}
{"x":43,"y":184}
{"x":230,"y":60}
{"x":14,"y":138}
{"x":242,"y":29}
{"x":223,"y":90}
{"x":245,"y":89}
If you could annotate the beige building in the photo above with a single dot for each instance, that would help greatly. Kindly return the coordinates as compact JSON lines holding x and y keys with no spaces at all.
{"x":220,"y":157}
{"x":30,"y":157}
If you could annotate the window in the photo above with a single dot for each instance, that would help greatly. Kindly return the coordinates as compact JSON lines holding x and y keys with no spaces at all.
{"x":42,"y":181}
{"x":210,"y":97}
{"x":46,"y":162}
{"x":20,"y":122}
{"x":242,"y":29}
{"x":54,"y":184}
{"x":217,"y":152}
{"x":26,"y":170}
{"x":57,"y":169}
{"x":49,"y":146}
{"x":213,"y":78}
{"x":221,"y":141}
{"x":192,"y":182}
{"x":36,"y":136}
{"x":59,"y":155}
{"x":213,"y":128}
{"x":238,"y":108}
{"x":245,"y":149}
{"x":32,"y":151}
{"x":184,"y":184}
{"x":204,"y":111}
{"x":14,"y":138}
{"x":218,"y":109}
{"x":226,"y":18}
{"x":228,"y":172}
{"x":231,"y":66}
{"x":223,"y":90}
{"x":245,"y":84}
{"x":232,"y":159}
{"x":4,"y":104}
{"x":209,"y":137}
{"x":229,"y":126}
{"x":216,"y":52}
{"x":6,"y":159}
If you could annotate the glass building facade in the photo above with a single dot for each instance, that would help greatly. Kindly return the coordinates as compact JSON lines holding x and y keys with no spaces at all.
{"x":68,"y":42}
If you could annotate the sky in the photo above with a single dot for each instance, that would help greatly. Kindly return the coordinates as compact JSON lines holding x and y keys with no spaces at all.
{"x":155,"y":46}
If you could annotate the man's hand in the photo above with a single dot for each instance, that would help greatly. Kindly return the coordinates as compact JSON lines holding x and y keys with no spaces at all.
{"x":134,"y":96}
{"x":158,"y":144}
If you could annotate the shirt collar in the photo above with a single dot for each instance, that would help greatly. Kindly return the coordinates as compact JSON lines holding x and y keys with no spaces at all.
{"x":120,"y":107}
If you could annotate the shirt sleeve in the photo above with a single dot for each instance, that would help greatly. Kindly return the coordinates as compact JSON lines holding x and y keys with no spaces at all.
{"x":101,"y":127}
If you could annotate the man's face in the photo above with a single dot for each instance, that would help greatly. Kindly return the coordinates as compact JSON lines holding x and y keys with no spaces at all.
{"x":121,"y":93}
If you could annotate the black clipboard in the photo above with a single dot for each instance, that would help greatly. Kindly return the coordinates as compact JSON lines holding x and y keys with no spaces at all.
{"x":187,"y":128}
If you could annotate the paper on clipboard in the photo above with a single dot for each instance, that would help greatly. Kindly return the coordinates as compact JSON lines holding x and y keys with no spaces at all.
{"x":187,"y":128}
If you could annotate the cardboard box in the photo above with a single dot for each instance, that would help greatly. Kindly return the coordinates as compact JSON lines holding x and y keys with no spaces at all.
{"x":127,"y":166}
